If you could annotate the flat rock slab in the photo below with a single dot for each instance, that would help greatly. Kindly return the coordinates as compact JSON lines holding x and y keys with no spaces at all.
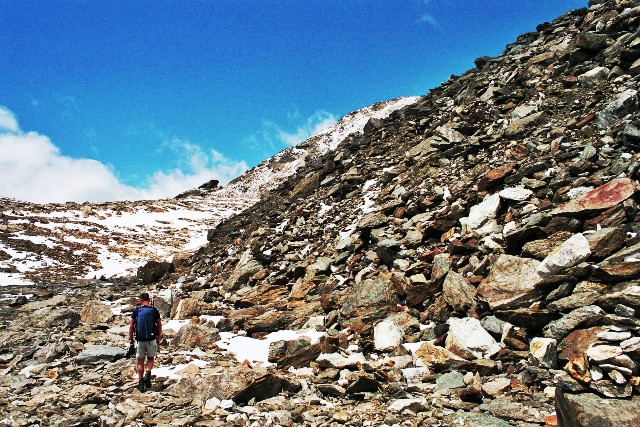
{"x":513,"y":282}
{"x":601,"y":198}
{"x":587,"y":409}
{"x":100,"y":353}
{"x":474,"y":419}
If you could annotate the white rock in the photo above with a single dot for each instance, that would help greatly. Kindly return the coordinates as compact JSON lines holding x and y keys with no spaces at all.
{"x":213,"y":403}
{"x":593,"y":76}
{"x":596,"y":372}
{"x":600,"y":353}
{"x":614,"y":336}
{"x":482,"y":216}
{"x":517,"y":194}
{"x":336,"y":360}
{"x":314,"y":322}
{"x":413,"y":405}
{"x":572,"y":252}
{"x":415,"y":375}
{"x":617,"y":377}
{"x":496,"y":387}
{"x":544,"y":352}
{"x":467,"y":338}
{"x":387,"y":335}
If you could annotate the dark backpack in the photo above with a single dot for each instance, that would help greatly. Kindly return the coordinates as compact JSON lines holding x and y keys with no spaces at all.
{"x":145,"y":319}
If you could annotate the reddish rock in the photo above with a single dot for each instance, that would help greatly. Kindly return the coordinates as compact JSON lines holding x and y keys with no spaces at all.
{"x":433,"y":355}
{"x":601,"y":198}
{"x":494,"y":177}
{"x":577,"y":342}
{"x":578,"y":368}
{"x":612,"y":217}
{"x":606,"y":241}
{"x":513,"y":282}
{"x":586,"y":120}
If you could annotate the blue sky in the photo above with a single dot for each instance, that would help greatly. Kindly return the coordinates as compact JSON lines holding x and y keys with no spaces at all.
{"x":154,"y":98}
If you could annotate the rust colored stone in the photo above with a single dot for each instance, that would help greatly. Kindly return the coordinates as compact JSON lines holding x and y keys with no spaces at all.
{"x":586,"y":120}
{"x":577,"y":342}
{"x":494,"y":177}
{"x":601,"y":198}
{"x":578,"y":368}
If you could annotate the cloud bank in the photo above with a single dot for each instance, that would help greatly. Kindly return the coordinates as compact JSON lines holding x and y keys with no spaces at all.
{"x":317,"y":122}
{"x":33,"y":169}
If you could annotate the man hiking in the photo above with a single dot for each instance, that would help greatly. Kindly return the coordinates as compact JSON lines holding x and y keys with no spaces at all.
{"x":146,"y":323}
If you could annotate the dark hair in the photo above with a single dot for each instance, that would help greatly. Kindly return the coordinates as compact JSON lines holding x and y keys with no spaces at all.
{"x":144,"y":296}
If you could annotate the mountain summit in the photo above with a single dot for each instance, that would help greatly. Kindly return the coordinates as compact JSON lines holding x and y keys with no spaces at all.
{"x":468,"y":259}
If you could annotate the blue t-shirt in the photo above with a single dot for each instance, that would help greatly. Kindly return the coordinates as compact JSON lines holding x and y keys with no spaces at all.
{"x":145,"y":319}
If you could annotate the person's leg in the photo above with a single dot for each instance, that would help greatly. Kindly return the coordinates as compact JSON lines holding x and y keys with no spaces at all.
{"x":152,"y":350}
{"x":140,"y":367}
{"x":140,"y":356}
{"x":147,"y":374}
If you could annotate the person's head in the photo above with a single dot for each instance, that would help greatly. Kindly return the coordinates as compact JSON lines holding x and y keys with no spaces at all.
{"x":144,"y":297}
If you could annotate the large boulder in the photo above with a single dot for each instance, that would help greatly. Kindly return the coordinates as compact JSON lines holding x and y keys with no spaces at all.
{"x":239,"y":383}
{"x":588,"y":409}
{"x":194,"y":335}
{"x":513,"y":282}
{"x":367,"y":302}
{"x":247,"y":266}
{"x":96,"y":312}
{"x":153,"y":271}
{"x":601,"y":198}
{"x":100,"y":353}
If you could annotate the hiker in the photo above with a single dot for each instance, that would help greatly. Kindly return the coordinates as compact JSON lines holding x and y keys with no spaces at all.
{"x":145,"y":321}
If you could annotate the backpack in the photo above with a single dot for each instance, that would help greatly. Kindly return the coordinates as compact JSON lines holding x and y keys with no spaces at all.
{"x":144,"y":319}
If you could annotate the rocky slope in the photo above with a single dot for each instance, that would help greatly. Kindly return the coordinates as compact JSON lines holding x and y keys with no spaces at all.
{"x":470,"y":260}
{"x":60,"y":242}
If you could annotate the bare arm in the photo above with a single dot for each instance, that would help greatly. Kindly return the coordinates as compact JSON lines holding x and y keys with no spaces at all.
{"x":159,"y":330}
{"x":131,"y":329}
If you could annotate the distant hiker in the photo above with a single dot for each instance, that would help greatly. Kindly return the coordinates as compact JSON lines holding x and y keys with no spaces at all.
{"x":146,"y":323}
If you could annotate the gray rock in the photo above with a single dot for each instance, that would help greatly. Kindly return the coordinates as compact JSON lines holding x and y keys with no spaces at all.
{"x":450,"y":380}
{"x":588,"y":409}
{"x":625,"y":103}
{"x":458,"y":292}
{"x":247,"y":266}
{"x":593,"y":76}
{"x":100,"y":353}
{"x":590,"y":315}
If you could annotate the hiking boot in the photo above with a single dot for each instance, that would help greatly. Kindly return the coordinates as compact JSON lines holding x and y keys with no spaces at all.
{"x":147,"y":379}
{"x":140,"y":385}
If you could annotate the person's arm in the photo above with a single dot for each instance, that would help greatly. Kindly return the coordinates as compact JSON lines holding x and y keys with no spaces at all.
{"x":158,"y":330}
{"x":132,"y":328}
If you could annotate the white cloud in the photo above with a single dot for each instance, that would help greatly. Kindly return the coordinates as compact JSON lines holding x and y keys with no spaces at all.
{"x":273,"y":137}
{"x":317,"y":122}
{"x":429,"y":20}
{"x":8,"y":121}
{"x":33,"y":169}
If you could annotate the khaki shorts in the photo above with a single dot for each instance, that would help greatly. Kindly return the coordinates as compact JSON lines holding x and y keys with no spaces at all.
{"x":147,"y":349}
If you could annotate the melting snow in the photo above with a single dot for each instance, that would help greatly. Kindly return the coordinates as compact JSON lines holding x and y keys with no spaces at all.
{"x":257,"y":351}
